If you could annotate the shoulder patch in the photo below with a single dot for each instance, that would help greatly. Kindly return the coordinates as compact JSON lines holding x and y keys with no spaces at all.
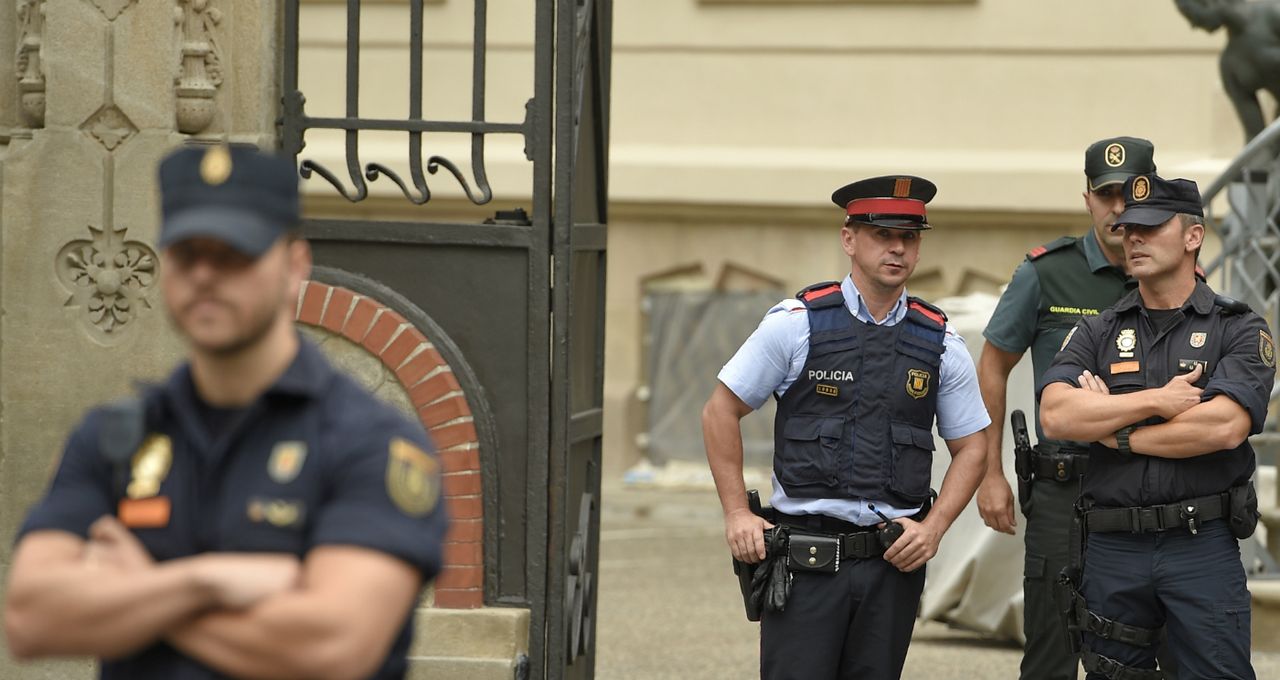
{"x":1057,"y":244}
{"x":412,"y":478}
{"x":929,"y":311}
{"x":825,"y":294}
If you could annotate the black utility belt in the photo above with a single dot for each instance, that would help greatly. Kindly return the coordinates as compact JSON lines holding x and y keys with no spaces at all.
{"x":824,"y":552}
{"x":1190,"y":513}
{"x":1059,"y":465}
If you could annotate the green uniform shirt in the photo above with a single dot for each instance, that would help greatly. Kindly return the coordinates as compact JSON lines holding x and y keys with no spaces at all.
{"x":1057,"y":284}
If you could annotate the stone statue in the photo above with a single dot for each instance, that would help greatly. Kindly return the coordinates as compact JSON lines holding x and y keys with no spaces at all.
{"x":1251,"y":59}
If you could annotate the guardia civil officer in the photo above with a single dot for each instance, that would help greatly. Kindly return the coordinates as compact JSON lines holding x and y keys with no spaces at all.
{"x":1168,"y":383}
{"x":1057,"y":284}
{"x":860,"y":371}
{"x":257,"y":515}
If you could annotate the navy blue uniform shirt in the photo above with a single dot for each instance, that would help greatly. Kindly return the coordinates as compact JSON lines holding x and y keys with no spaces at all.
{"x":1131,"y":351}
{"x":316,"y":460}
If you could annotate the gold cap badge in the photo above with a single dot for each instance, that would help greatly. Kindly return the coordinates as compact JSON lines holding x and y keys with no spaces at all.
{"x":215,"y":167}
{"x":902,"y":187}
{"x":1141,"y":188}
{"x":1115,"y":155}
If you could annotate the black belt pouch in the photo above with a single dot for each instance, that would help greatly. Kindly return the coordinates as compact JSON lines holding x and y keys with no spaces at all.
{"x":1244,"y":510}
{"x":814,"y":553}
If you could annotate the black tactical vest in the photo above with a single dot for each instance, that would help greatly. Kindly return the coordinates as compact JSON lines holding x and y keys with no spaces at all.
{"x":858,"y":421}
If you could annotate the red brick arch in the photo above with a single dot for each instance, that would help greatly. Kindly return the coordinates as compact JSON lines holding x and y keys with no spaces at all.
{"x":442,"y":408}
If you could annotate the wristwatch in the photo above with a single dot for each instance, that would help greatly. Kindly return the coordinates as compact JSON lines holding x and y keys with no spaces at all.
{"x":1122,"y":440}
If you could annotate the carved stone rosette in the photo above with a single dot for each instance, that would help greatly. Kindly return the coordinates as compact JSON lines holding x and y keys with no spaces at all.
{"x":29,"y":69}
{"x":199,"y":64}
{"x":109,"y":278}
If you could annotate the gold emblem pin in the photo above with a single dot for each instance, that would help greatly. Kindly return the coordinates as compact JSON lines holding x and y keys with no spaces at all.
{"x":215,"y":167}
{"x":286,"y":461}
{"x":151,"y":465}
{"x":917,"y":383}
{"x":1198,"y":339}
{"x":1115,"y":155}
{"x":1126,"y":342}
{"x":1266,"y":349}
{"x":412,"y":478}
{"x":1141,"y":188}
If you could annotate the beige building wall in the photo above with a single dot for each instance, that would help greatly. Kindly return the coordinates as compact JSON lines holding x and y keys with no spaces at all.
{"x":733,"y":120}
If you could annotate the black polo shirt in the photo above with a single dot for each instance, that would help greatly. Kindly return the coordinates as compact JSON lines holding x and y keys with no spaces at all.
{"x":315,"y":460}
{"x":1131,"y":351}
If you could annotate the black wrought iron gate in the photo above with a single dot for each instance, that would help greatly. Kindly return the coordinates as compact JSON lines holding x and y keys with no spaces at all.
{"x":516,"y":303}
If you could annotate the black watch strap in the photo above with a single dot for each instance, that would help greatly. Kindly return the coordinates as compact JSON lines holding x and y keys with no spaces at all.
{"x":1122,"y":440}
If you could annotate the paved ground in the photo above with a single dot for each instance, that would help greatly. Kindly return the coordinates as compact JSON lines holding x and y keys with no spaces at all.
{"x":669,"y":605}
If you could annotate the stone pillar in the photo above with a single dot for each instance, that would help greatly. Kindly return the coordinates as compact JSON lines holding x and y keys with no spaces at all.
{"x":92,"y":94}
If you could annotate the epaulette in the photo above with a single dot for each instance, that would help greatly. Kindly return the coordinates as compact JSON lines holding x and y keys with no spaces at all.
{"x":1058,"y":244}
{"x":929,"y":311}
{"x":819,"y":295}
{"x":1230,"y":305}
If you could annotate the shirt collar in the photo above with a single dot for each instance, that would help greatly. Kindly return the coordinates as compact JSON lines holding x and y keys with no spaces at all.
{"x":853,"y":300}
{"x":1201,"y":299}
{"x":307,"y":375}
{"x":1093,"y":253}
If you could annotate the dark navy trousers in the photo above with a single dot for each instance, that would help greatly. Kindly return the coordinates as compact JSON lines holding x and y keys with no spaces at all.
{"x":853,"y":624}
{"x":1193,"y":584}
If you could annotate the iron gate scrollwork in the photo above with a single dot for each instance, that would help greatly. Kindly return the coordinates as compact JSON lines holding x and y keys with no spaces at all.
{"x":522,"y":293}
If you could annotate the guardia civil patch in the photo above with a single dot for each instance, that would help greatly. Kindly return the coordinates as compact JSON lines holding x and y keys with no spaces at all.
{"x":917,"y":383}
{"x":1198,"y":339}
{"x":1115,"y":155}
{"x":411,"y":478}
{"x":286,"y":461}
{"x":1266,"y":349}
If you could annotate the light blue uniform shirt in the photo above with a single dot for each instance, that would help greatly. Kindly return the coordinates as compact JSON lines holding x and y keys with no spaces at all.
{"x":770,"y":361}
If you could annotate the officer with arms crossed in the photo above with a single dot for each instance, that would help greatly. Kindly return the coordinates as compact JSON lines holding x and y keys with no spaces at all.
{"x":1168,"y":383}
{"x":860,"y":370}
{"x":1057,"y":284}
{"x":258,"y":515}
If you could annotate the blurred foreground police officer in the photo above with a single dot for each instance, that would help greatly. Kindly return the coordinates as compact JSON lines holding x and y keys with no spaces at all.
{"x":859,"y":370}
{"x":259,"y":514}
{"x":1058,"y":283}
{"x":1169,"y":383}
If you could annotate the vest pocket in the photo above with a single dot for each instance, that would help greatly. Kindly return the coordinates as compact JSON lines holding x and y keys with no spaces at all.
{"x":811,"y":450}
{"x":912,"y":461}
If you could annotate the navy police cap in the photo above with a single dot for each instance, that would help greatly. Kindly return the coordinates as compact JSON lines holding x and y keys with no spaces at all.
{"x":235,"y":194}
{"x":1150,"y":200}
{"x":893,"y":201}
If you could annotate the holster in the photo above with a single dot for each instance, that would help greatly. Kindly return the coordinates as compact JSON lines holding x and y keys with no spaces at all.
{"x":1022,"y":463}
{"x":766,"y":584}
{"x":1069,"y":581}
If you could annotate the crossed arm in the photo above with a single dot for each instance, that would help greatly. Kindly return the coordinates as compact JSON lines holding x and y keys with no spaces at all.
{"x":333,"y":615}
{"x":1191,"y":428}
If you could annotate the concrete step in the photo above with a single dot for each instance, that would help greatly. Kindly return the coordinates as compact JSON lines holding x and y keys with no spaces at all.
{"x":485,"y":633}
{"x":433,"y":668}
